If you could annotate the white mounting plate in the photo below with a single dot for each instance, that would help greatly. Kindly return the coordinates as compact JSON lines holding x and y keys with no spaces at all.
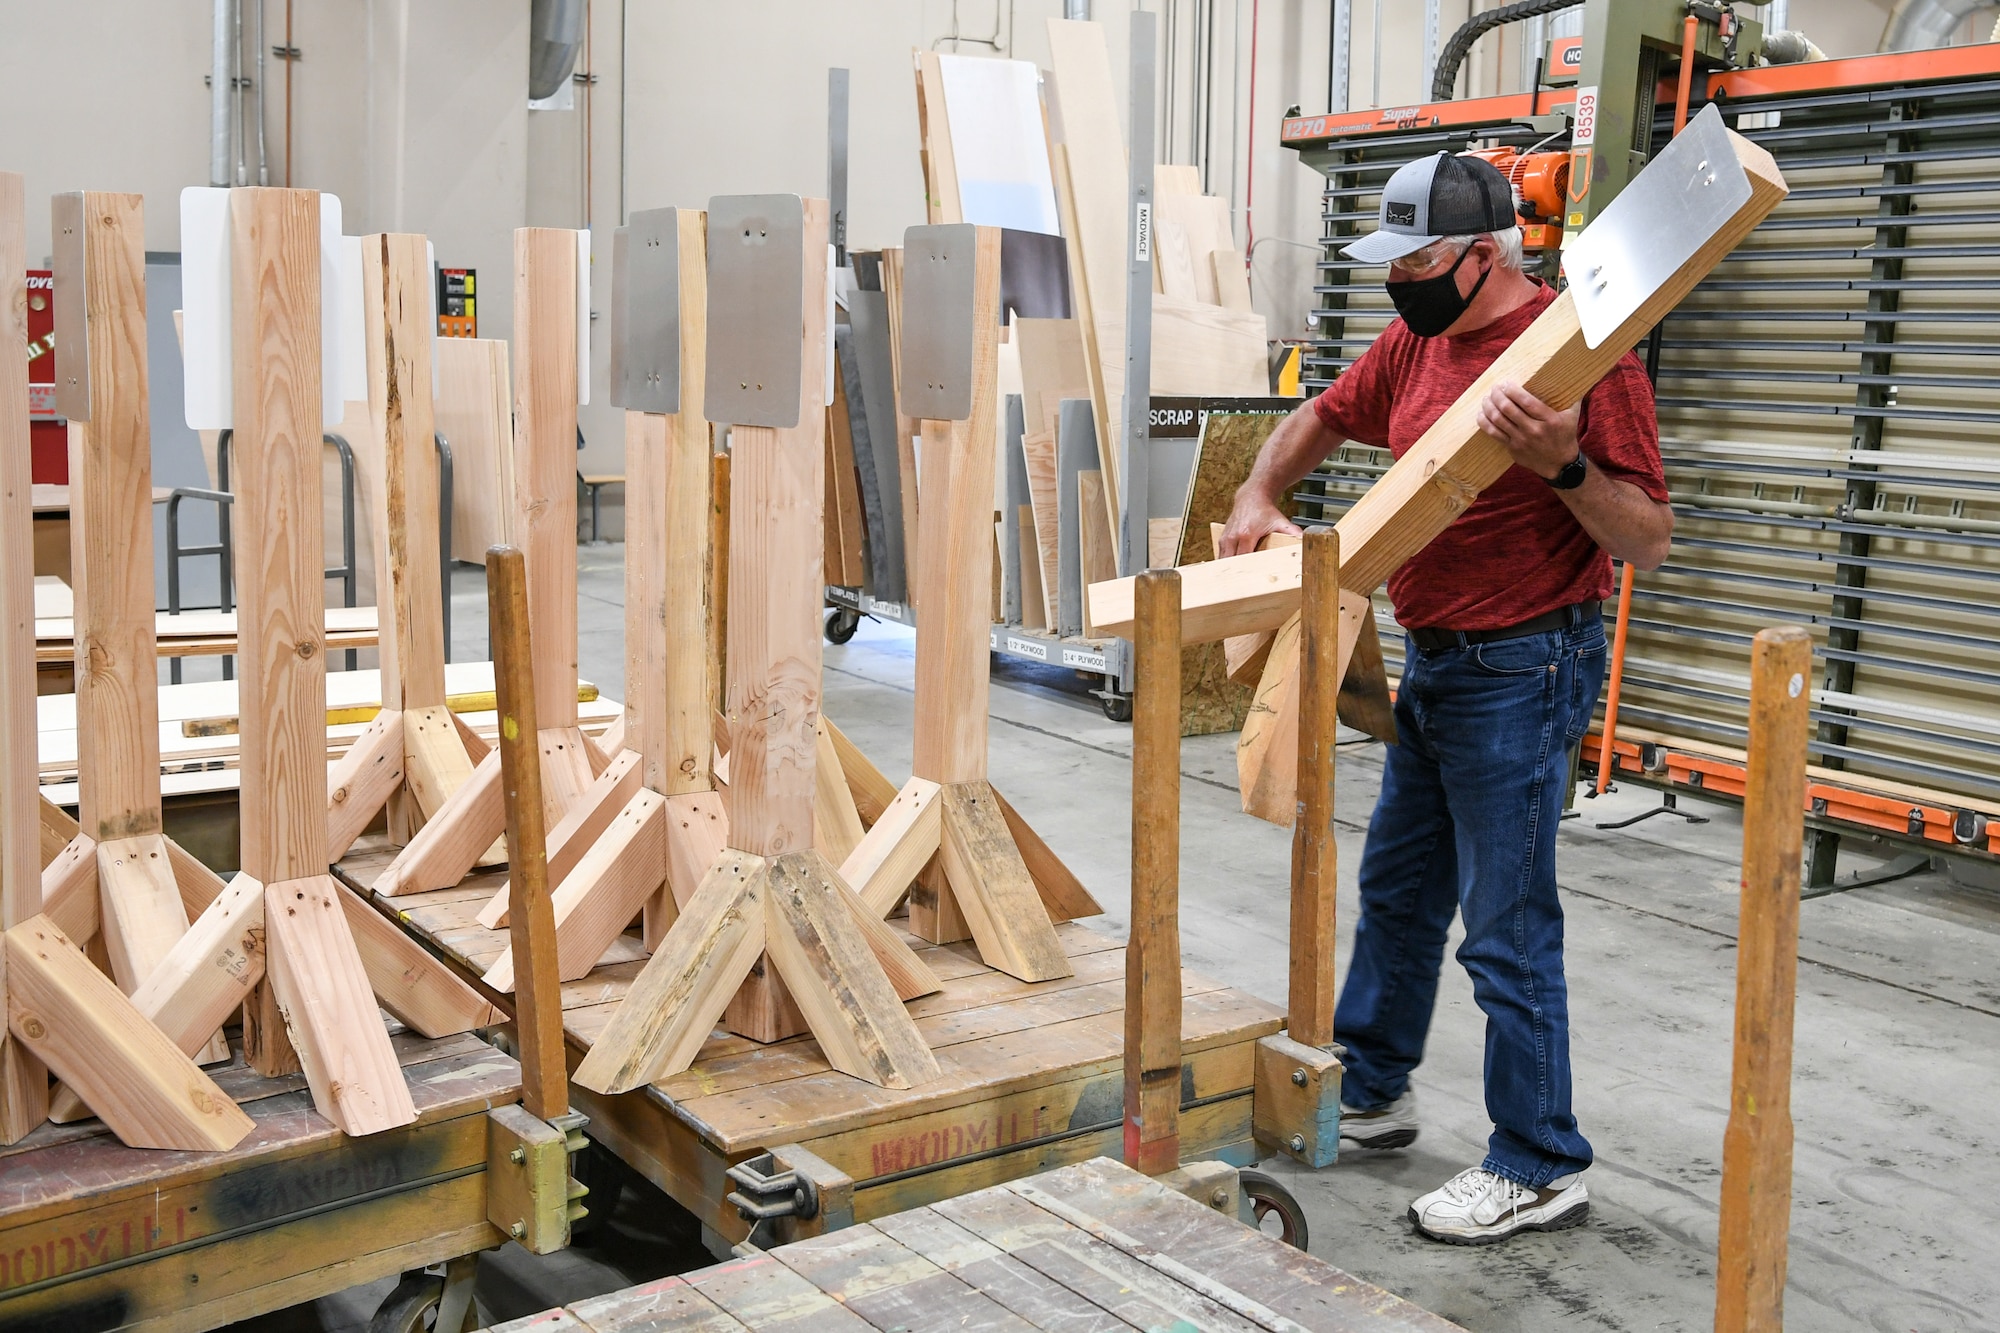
{"x":1655,"y":225}
{"x":207,"y":381}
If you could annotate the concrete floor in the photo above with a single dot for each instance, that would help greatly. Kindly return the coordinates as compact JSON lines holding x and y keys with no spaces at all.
{"x":1896,"y":1204}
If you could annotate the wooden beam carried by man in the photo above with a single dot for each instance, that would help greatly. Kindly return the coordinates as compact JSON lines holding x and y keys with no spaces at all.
{"x":1627,"y":270}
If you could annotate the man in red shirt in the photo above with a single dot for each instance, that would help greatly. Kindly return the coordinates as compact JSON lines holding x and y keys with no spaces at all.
{"x":1504,"y":660}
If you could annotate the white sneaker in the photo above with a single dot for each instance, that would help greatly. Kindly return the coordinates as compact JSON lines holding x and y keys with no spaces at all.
{"x":1476,"y":1207}
{"x":1393,"y":1126}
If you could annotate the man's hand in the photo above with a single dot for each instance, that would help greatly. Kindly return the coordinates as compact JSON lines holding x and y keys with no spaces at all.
{"x":1541,"y":439}
{"x":1252,"y":518}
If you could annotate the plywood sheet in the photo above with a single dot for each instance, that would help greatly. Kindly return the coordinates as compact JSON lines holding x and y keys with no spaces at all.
{"x":1208,"y":350}
{"x":475,"y":415}
{"x":1052,"y":368}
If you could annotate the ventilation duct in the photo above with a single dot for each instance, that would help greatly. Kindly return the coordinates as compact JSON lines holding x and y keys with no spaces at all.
{"x":1919,"y":25}
{"x":555,"y":31}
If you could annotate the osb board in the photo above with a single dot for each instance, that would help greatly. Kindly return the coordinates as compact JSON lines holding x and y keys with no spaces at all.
{"x":994,"y":1036}
{"x":1210,"y":702}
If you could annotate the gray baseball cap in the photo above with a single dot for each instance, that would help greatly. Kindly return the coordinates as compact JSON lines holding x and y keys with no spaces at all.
{"x":1433,"y":197}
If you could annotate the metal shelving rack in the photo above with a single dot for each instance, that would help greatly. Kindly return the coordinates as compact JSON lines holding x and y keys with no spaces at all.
{"x":1827,"y":422}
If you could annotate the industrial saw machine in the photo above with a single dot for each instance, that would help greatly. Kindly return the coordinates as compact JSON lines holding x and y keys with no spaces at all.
{"x":1829,"y":413}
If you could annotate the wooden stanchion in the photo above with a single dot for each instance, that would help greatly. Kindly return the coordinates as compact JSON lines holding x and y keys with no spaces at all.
{"x":1153,"y":949}
{"x":1309,"y":1013}
{"x":1297,"y":1106}
{"x":1757,"y":1147}
{"x":531,"y":920}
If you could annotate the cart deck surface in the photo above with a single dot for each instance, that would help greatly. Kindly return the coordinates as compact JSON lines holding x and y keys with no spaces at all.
{"x":97,"y":1236}
{"x":1032,"y":1073}
{"x":1091,"y":1247}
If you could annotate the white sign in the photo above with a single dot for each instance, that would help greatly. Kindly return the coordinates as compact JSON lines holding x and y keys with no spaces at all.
{"x":208,"y":387}
{"x":1584,"y":133}
{"x":1145,"y":231}
{"x":1028,"y":648}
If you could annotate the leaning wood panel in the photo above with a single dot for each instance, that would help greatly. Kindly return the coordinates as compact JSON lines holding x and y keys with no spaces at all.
{"x":475,"y":414}
{"x":1093,"y":150}
{"x":281,"y":615}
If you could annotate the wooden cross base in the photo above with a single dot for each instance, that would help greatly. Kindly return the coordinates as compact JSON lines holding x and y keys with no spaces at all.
{"x":213,"y":965}
{"x":469,"y":827}
{"x":980,"y":872}
{"x":411,"y":760}
{"x":75,"y":1020}
{"x":794,"y":910}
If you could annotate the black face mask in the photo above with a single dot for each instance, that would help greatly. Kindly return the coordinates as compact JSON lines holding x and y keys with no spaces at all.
{"x":1431,"y":305}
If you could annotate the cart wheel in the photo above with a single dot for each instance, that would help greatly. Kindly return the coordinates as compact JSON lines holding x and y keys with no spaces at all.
{"x":841,"y":624}
{"x":1117,"y":707}
{"x":1269,"y":1199}
{"x":411,"y":1307}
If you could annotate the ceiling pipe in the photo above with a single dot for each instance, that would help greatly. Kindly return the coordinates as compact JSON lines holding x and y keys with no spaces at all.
{"x":555,"y":34}
{"x":220,"y":77}
{"x":1919,"y":25}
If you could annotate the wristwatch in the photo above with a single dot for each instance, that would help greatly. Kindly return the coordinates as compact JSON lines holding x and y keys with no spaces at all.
{"x":1571,"y":476}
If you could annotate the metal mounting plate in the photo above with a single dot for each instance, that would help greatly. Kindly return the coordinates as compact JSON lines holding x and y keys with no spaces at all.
{"x":940,"y":292}
{"x":72,"y":297}
{"x":646,"y":312}
{"x":1655,"y":226}
{"x":756,"y":311}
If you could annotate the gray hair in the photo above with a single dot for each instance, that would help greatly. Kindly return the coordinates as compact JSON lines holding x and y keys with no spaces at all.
{"x":1507,"y":243}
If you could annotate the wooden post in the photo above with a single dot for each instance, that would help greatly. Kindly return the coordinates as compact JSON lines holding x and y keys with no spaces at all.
{"x":1757,"y":1147}
{"x":979,"y":885}
{"x":545,"y":398}
{"x":1309,"y":1010}
{"x":24,"y":1083}
{"x":770,"y":888}
{"x":1153,"y":949}
{"x":413,"y":756}
{"x":395,"y":286}
{"x":101,"y":272}
{"x":531,"y":919}
{"x":319,"y":983}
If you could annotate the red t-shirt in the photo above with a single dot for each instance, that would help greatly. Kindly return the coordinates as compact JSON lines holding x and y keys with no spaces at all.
{"x":1517,"y":552}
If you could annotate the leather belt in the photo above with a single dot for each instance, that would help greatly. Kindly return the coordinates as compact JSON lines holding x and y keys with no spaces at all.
{"x":1563,"y":617}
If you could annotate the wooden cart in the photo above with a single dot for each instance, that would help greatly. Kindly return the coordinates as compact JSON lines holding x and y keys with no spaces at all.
{"x":1093,"y":1246}
{"x":1033,"y":1077}
{"x":95,"y":1236}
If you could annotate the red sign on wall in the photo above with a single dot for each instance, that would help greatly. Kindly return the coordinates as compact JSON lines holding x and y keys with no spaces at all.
{"x":48,"y":435}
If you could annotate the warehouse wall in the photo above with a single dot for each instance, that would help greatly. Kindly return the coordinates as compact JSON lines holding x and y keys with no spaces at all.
{"x":413,"y":111}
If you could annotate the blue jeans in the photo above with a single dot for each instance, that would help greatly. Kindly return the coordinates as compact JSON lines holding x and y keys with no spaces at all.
{"x":1471,"y":797}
